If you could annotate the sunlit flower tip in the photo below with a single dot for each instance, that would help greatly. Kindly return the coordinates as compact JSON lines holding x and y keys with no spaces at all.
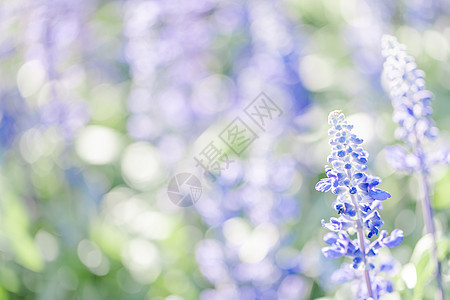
{"x":387,"y":38}
{"x":335,"y":116}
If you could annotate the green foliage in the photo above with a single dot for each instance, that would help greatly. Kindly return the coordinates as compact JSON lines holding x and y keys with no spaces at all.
{"x":441,"y":199}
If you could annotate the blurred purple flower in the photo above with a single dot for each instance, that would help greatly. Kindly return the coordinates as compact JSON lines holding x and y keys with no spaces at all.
{"x":411,"y":100}
{"x":413,"y":113}
{"x":68,"y":117}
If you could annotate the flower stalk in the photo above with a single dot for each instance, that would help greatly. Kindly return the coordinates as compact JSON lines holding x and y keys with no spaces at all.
{"x":360,"y":234}
{"x":428,"y":217}
{"x":412,"y":111}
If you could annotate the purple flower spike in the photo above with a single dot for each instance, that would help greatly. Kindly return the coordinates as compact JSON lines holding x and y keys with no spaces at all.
{"x":411,"y":101}
{"x":412,"y":112}
{"x":357,"y":202}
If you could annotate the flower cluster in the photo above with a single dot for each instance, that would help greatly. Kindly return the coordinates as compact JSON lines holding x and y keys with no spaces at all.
{"x":347,"y":273}
{"x":412,"y":109}
{"x":358,"y":201}
{"x":411,"y":100}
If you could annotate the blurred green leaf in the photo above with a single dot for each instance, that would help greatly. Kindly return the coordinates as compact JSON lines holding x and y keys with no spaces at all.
{"x":443,"y":248}
{"x":9,"y":280}
{"x":15,"y":225}
{"x":424,"y":267}
{"x":108,"y":238}
{"x":3,"y":294}
{"x":442,"y":190}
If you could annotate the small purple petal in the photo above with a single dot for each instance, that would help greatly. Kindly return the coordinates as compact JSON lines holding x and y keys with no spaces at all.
{"x":331,"y":252}
{"x":378,"y":194}
{"x":339,"y":190}
{"x":394,"y":239}
{"x":386,"y":267}
{"x":330,"y":238}
{"x":324,"y":185}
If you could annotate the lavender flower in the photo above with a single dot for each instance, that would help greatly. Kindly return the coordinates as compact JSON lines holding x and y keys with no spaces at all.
{"x":411,"y":101}
{"x":358,"y":201}
{"x":412,"y":112}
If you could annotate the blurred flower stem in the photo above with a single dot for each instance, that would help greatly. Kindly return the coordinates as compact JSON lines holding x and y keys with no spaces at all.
{"x":428,"y":213}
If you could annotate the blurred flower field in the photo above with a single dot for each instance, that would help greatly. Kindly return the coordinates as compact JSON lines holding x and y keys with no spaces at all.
{"x":160,"y":149}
